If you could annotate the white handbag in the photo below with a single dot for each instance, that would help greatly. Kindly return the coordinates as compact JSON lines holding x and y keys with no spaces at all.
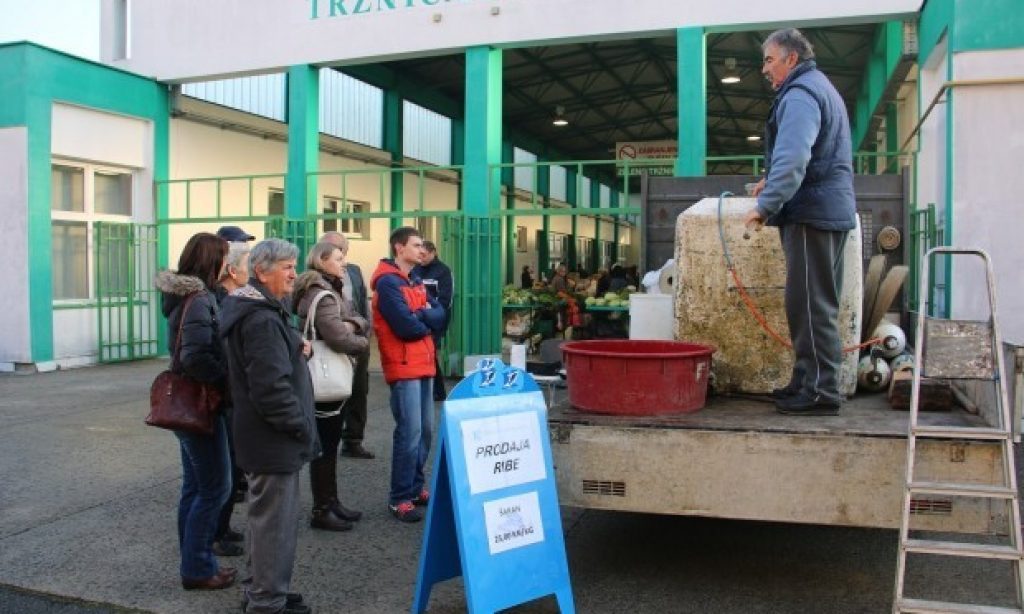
{"x":330,"y":371}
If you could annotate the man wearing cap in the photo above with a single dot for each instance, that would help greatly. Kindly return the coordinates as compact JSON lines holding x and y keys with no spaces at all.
{"x":437,"y":279}
{"x":354,"y":411}
{"x":234,"y":234}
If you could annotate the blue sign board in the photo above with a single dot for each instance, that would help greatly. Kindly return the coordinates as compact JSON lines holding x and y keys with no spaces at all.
{"x":493,"y":515}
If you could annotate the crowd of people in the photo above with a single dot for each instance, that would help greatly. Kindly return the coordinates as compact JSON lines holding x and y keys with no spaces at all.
{"x":236,"y":308}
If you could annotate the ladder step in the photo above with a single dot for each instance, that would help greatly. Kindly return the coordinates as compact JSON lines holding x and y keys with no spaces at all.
{"x":978,"y":551}
{"x":994,"y":491}
{"x":960,"y":432}
{"x":922,"y":606}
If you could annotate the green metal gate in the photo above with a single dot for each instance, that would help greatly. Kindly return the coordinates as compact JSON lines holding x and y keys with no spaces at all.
{"x":127,"y":303}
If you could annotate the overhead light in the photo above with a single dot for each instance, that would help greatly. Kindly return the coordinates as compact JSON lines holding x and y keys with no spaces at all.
{"x":754,"y":137}
{"x":730,"y":76}
{"x":560,"y":119}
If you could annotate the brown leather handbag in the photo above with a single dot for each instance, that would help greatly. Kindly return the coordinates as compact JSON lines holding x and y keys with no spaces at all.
{"x":178,"y":402}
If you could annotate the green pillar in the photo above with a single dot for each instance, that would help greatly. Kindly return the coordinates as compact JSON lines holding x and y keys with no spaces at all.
{"x":393,"y":145}
{"x":508,"y":181}
{"x":481,"y":194}
{"x":572,"y":184}
{"x":40,"y":231}
{"x":544,"y":193}
{"x":615,"y":227}
{"x":691,"y":62}
{"x":303,"y":142}
{"x":595,"y":248}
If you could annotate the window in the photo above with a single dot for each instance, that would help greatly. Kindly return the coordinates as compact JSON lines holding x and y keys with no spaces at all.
{"x":557,"y":246}
{"x":275,"y":202}
{"x":358,"y":228}
{"x":80,"y":196}
{"x":520,"y":238}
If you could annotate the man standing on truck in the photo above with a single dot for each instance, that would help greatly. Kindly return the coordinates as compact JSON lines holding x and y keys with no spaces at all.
{"x":807,"y":192}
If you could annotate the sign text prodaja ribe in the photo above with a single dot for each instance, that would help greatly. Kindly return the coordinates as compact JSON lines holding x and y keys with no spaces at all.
{"x":345,"y":8}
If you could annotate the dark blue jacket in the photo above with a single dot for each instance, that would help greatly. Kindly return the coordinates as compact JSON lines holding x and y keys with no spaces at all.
{"x":440,"y":285}
{"x":808,"y":155}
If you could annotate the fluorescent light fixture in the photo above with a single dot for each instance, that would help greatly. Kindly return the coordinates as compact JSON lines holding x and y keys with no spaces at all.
{"x":730,"y":76}
{"x":754,"y":137}
{"x":560,"y":119}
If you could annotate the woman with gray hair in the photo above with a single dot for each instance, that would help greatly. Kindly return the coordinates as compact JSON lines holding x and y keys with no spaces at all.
{"x":345,"y":332}
{"x":234,"y":276}
{"x":273,"y":423}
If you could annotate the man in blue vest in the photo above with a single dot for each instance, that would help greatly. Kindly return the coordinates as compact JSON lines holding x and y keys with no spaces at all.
{"x":808,"y":193}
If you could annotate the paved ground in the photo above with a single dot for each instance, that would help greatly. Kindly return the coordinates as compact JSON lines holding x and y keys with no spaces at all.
{"x":88,"y":493}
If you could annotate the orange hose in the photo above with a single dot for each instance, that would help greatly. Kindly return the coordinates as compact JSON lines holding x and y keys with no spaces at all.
{"x":754,"y":311}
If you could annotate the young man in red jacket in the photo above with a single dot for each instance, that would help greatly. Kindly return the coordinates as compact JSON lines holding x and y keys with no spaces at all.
{"x":403,"y":320}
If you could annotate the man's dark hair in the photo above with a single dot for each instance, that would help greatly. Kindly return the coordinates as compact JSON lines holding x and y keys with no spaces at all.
{"x":400,"y":236}
{"x":430,"y":247}
{"x":203,"y":257}
{"x":790,"y":40}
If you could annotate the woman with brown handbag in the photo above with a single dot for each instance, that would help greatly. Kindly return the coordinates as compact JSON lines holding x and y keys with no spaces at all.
{"x":190,"y":306}
{"x":344,"y":332}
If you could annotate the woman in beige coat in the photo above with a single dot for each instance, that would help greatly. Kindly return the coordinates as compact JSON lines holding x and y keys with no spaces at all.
{"x":345,"y":332}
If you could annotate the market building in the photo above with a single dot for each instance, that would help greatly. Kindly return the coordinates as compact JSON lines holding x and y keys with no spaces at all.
{"x":510,"y":132}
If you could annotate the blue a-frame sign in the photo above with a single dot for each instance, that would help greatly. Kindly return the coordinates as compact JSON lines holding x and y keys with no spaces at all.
{"x":494,"y":517}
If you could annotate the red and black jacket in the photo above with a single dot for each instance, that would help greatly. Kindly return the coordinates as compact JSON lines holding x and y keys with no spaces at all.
{"x":399,"y":304}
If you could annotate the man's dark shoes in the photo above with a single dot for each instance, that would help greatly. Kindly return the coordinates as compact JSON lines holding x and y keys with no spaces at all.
{"x":222,"y":579}
{"x":355,"y":450}
{"x":226,"y":548}
{"x":785,"y":392}
{"x":325,"y":518}
{"x":293,"y":604}
{"x":803,"y":404}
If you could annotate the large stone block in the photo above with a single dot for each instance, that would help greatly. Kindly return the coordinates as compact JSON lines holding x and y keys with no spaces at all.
{"x":710,"y":309}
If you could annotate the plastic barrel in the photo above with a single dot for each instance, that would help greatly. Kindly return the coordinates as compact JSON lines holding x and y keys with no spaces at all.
{"x":637,"y":377}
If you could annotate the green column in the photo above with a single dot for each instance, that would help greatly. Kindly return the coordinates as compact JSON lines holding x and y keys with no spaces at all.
{"x":615,"y":227}
{"x":508,"y":181}
{"x":595,"y":248}
{"x":691,"y":62}
{"x":303,"y":142}
{"x":544,"y":193}
{"x":393,"y":145}
{"x":40,"y":230}
{"x":572,"y":182}
{"x":161,"y":172}
{"x":480,"y":200}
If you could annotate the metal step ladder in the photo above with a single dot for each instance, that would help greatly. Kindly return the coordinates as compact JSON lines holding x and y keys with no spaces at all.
{"x":960,"y":349}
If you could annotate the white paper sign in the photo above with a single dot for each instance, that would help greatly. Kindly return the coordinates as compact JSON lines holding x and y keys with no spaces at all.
{"x":513,"y":522}
{"x":502,"y":451}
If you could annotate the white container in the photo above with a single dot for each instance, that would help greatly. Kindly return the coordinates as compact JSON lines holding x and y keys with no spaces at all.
{"x":517,"y":356}
{"x":651,"y":317}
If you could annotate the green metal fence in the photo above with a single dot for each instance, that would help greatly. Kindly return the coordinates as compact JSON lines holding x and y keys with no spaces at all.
{"x":925,"y":233}
{"x":127,"y":304}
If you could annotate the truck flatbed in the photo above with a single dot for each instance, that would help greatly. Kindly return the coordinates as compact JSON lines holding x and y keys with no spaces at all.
{"x":862,"y":416}
{"x":738,"y":458}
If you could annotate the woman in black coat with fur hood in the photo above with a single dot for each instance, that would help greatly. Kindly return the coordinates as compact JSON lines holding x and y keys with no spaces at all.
{"x":205,"y":463}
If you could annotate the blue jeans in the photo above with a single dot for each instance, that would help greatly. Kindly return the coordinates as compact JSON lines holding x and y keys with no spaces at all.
{"x":205,"y":487}
{"x":412,"y":405}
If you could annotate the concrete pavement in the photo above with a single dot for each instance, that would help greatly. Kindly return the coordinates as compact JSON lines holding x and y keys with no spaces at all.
{"x":87,"y":510}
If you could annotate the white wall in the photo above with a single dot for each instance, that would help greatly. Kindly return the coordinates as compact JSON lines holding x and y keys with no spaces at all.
{"x":189,"y":39}
{"x":988,"y":186}
{"x":14,"y":326}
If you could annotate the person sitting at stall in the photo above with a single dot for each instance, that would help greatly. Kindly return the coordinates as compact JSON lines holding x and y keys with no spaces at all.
{"x":618,"y":279}
{"x":526,"y":280}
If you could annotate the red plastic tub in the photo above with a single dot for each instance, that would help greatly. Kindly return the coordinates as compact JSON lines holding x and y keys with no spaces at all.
{"x":637,"y":378}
